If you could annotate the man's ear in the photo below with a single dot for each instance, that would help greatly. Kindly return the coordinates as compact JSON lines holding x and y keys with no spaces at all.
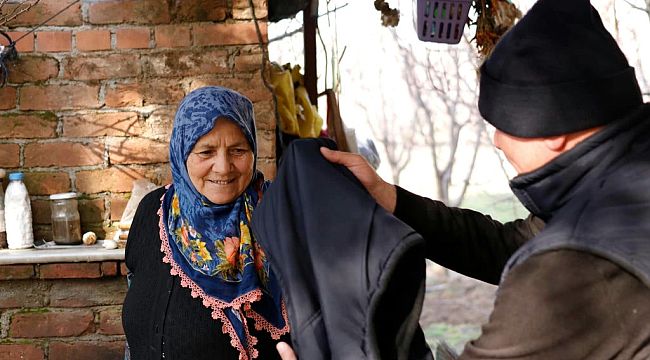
{"x":556,"y":143}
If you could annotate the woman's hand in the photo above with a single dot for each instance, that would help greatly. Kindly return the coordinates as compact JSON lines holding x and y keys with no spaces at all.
{"x":383,"y":192}
{"x":285,"y":351}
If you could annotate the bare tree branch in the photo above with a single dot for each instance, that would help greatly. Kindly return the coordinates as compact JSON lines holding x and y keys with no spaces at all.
{"x":22,"y":7}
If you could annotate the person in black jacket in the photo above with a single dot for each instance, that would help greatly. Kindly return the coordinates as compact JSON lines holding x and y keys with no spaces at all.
{"x":200,"y":285}
{"x":574,"y":278}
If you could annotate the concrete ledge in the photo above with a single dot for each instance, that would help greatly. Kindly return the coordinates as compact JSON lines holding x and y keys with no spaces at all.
{"x":77,"y":253}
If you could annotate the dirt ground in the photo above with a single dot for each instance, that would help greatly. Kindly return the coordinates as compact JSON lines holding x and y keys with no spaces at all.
{"x":455,"y":306}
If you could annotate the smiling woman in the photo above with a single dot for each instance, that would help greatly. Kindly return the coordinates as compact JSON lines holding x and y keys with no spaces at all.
{"x":221,"y":164}
{"x":201,"y":286}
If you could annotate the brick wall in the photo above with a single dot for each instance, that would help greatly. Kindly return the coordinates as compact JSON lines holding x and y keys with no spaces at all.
{"x":62,"y":311}
{"x":89,"y":105}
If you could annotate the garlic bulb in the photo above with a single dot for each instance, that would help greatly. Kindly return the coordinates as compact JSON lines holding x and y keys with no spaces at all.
{"x":89,"y":238}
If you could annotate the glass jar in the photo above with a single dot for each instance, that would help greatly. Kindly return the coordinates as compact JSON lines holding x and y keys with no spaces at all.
{"x":66,"y":229}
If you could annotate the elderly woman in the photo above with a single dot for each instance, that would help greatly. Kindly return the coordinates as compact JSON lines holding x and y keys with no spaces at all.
{"x":200,"y":286}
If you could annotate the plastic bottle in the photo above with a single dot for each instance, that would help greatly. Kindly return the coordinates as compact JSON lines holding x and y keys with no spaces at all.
{"x":3,"y":229}
{"x":18,"y":214}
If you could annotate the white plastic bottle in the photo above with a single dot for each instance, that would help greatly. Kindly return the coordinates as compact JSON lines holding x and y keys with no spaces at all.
{"x":18,"y":214}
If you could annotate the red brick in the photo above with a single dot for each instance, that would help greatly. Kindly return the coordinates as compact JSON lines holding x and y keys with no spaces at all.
{"x":24,"y":45}
{"x":144,"y":93}
{"x":137,"y":151}
{"x":64,"y":154}
{"x":70,"y":271}
{"x":47,"y":183}
{"x":102,"y":124}
{"x":109,"y":268}
{"x":228,"y":34}
{"x":186,"y":63}
{"x":115,"y":178}
{"x":7,"y":98}
{"x":59,"y":97}
{"x":172,"y":36}
{"x":248,"y":62}
{"x":118,"y":204}
{"x":21,"y":351}
{"x":267,"y":167}
{"x":23,"y":294}
{"x":123,"y":269}
{"x":87,"y":350}
{"x":54,"y":41}
{"x":135,"y":38}
{"x":129,"y":11}
{"x":27,"y":126}
{"x":43,"y":232}
{"x":110,"y":322}
{"x":265,"y":115}
{"x":87,"y":292}
{"x":253,"y":87}
{"x":9,"y":155}
{"x":103,"y":67}
{"x":44,"y":10}
{"x":33,"y":69}
{"x":50,"y":324}
{"x":16,"y":272}
{"x":160,"y":123}
{"x":92,"y":210}
{"x":41,"y":213}
{"x":93,"y":40}
{"x":199,"y":10}
{"x":265,"y":144}
{"x":241,"y":9}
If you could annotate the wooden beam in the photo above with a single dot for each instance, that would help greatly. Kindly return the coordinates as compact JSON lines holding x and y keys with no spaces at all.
{"x":310,"y":23}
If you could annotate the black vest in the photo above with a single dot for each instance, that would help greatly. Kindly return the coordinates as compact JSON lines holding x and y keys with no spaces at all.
{"x":595,"y":197}
{"x":352,"y":274}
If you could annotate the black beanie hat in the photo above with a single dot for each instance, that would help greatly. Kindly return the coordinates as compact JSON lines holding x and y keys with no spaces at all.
{"x":557,"y":71}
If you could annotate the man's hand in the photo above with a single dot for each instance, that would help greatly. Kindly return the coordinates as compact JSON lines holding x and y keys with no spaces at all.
{"x":285,"y":351}
{"x":383,"y":192}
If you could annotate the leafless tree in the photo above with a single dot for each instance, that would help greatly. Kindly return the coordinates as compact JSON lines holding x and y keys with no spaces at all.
{"x":395,"y":132}
{"x":645,"y":6}
{"x":642,"y":72}
{"x":443,"y":85}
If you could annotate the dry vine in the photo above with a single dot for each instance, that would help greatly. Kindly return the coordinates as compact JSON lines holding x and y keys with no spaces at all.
{"x":21,"y":7}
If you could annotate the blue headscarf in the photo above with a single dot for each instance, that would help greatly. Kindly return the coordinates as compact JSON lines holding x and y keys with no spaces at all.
{"x":211,"y":246}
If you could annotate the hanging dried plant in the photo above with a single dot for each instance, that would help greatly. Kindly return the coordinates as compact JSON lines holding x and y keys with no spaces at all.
{"x":389,"y":17}
{"x":8,"y":13}
{"x":494,"y":18}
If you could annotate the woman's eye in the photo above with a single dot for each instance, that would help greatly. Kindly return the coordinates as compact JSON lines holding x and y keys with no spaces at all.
{"x":204,"y":154}
{"x":238,"y":152}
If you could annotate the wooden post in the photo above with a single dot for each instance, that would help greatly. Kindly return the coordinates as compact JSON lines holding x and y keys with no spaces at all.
{"x":310,"y":23}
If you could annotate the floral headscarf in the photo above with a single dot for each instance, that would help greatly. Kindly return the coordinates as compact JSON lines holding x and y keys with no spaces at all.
{"x":210,"y":247}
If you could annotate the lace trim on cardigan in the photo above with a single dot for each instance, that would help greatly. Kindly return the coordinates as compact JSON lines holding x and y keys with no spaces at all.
{"x":262,"y":324}
{"x":218,"y":306}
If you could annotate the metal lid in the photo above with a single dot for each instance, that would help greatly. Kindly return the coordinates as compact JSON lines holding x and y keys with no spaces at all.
{"x":63,"y":196}
{"x":16,"y":176}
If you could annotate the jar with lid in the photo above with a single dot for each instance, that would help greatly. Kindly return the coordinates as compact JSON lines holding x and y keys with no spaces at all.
{"x":66,"y":229}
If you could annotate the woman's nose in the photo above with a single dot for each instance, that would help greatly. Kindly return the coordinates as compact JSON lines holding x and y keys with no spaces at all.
{"x":221,"y":163}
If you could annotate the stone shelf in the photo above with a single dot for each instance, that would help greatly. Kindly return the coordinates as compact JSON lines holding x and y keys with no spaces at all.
{"x":61,"y":254}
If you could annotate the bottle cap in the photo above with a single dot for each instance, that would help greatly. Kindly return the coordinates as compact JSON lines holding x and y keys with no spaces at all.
{"x":63,"y":196}
{"x":16,"y":176}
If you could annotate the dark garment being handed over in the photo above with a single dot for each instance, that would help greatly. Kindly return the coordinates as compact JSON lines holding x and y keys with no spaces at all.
{"x":352,"y":274}
{"x":580,"y":288}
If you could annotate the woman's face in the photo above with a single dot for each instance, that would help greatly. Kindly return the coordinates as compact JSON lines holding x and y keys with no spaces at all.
{"x":220,"y":165}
